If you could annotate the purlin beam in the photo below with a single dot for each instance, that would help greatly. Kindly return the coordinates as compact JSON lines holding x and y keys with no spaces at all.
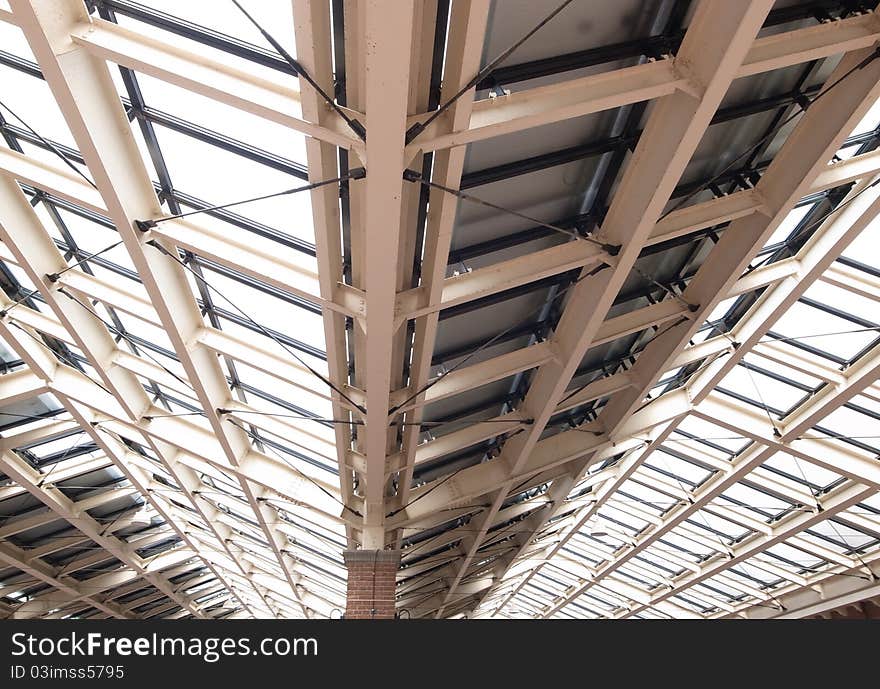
{"x":692,"y":218}
{"x":858,"y":377}
{"x":792,"y":174}
{"x":24,"y":235}
{"x":85,"y":92}
{"x":44,"y":365}
{"x":79,"y":518}
{"x":831,"y":239}
{"x":16,"y":557}
{"x":705,"y":214}
{"x":163,"y":60}
{"x":672,"y":133}
{"x":652,"y":80}
{"x":864,"y":23}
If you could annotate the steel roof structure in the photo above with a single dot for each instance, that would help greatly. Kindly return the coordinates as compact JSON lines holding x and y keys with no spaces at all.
{"x":573,"y":303}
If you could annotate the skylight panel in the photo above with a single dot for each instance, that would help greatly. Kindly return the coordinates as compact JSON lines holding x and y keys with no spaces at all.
{"x":866,"y":247}
{"x":703,"y":333}
{"x":801,"y":559}
{"x":58,"y":446}
{"x":622,"y":518}
{"x":31,"y":100}
{"x":148,"y":332}
{"x":841,"y":535}
{"x":861,"y":426}
{"x":787,"y":226}
{"x":837,"y":297}
{"x":673,"y":488}
{"x":312,"y":403}
{"x":649,"y":570}
{"x":686,"y":601}
{"x":283,"y":317}
{"x":753,"y":574}
{"x":301,"y":440}
{"x":606,"y":602}
{"x":714,"y":525}
{"x":663,"y":568}
{"x":637,"y":577}
{"x":562,"y":578}
{"x":764,"y":358}
{"x":690,"y":473}
{"x":869,"y":122}
{"x":91,"y":238}
{"x":762,"y":389}
{"x":750,"y":580}
{"x":666,"y":559}
{"x":721,"y":437}
{"x":720,"y":311}
{"x":673,"y":471}
{"x":677,"y":537}
{"x":799,"y":470}
{"x":655,"y":499}
{"x":227,"y":19}
{"x":590,"y":542}
{"x":710,"y":593}
{"x":742,"y":494}
{"x":212,"y":115}
{"x":542,"y":596}
{"x":572,"y":549}
{"x":219,"y":177}
{"x":822,"y":331}
{"x":242,"y":329}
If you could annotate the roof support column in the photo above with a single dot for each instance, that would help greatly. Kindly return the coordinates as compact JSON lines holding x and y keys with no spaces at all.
{"x":372,"y":578}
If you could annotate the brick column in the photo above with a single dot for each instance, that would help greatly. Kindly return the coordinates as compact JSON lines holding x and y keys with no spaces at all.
{"x":371,"y":581}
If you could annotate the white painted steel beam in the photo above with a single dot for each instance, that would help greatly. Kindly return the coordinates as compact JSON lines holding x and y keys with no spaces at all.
{"x":802,"y":159}
{"x":672,"y":133}
{"x":653,"y":80}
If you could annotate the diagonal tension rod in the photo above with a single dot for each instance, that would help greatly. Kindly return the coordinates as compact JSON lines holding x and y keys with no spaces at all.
{"x":419,"y":127}
{"x":353,"y":124}
{"x":354,"y":173}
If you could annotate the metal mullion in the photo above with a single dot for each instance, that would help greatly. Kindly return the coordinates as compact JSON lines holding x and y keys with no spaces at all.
{"x":245,"y":223}
{"x":858,"y":265}
{"x":196,"y":32}
{"x":235,"y":146}
{"x":51,"y":343}
{"x":287,"y":340}
{"x":838,"y":313}
{"x":806,"y":71}
{"x":76,"y":252}
{"x":807,"y":348}
{"x":558,"y":64}
{"x":293,"y":300}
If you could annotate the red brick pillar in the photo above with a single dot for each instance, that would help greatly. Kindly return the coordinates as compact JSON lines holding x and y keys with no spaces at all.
{"x":372,"y":578}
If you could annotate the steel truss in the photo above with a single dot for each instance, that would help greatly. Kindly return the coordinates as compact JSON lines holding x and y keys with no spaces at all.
{"x":246,"y":511}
